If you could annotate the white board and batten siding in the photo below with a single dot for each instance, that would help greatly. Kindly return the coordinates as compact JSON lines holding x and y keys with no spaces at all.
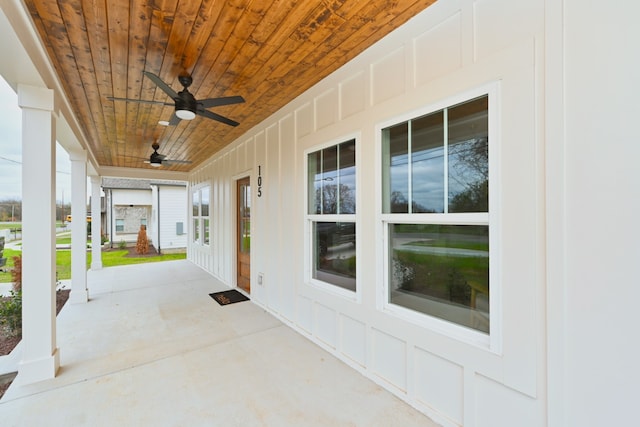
{"x":172,"y":210}
{"x":452,"y":48}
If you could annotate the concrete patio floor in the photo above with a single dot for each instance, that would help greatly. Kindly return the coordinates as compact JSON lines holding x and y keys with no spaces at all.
{"x":151,"y":348}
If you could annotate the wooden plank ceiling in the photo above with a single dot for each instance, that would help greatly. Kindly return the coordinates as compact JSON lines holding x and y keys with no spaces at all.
{"x":267,"y":51}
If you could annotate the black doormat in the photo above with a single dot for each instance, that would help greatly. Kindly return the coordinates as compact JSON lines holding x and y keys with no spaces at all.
{"x":228,"y":297}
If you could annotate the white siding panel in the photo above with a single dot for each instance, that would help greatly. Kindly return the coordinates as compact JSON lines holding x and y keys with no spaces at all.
{"x":325,"y":326}
{"x":173,"y":209}
{"x":388,"y":77}
{"x":438,"y":51}
{"x":304,"y":310}
{"x":290,"y":242}
{"x":304,"y":120}
{"x":326,"y":109}
{"x":353,"y":339}
{"x":439,"y":383}
{"x":353,"y":95}
{"x":390,"y":359}
{"x":497,"y":406}
{"x":499,"y":24}
{"x":274,"y":228}
{"x":260,"y":222}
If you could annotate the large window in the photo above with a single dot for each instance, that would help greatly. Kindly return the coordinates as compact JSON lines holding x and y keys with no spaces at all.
{"x":200,"y":215}
{"x":435,"y":209}
{"x":331,"y":214}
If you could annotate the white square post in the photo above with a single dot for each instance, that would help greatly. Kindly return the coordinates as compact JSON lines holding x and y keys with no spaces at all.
{"x":40,"y":357}
{"x":79,"y":292}
{"x":96,"y":224}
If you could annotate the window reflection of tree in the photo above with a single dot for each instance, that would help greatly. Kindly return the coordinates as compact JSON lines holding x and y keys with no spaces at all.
{"x":469,"y":176}
{"x":336,"y":201}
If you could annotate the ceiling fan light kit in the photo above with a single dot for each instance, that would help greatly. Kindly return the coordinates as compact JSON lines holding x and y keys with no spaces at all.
{"x":185,"y":114}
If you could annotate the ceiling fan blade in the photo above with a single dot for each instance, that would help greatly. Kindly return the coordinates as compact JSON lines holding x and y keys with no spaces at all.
{"x":182,"y":162}
{"x":218,"y":117}
{"x":142,"y":101}
{"x":162,"y":85}
{"x":174,"y":120}
{"x":216,"y":102}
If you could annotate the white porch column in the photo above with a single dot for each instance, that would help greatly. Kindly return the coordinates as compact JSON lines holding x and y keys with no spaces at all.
{"x":40,"y":357}
{"x":79,"y":292}
{"x":96,"y":224}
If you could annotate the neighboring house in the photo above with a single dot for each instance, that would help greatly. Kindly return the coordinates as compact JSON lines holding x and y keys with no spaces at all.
{"x":160,"y":206}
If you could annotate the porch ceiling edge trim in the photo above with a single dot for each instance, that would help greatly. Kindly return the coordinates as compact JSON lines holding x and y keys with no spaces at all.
{"x":118,"y":172}
{"x":41,"y":66}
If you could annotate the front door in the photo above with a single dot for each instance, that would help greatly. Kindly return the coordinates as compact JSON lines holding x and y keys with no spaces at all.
{"x":243,"y":234}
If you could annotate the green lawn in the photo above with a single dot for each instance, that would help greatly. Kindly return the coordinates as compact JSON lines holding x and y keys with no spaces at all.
{"x":10,"y":225}
{"x":109,"y":259}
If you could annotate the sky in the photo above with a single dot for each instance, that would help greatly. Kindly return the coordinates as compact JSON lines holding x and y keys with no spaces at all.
{"x":11,"y":151}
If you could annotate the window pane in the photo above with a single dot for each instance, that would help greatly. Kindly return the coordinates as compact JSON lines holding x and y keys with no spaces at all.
{"x":204,"y":200}
{"x":347,"y":177}
{"x":397,"y":146}
{"x":468,"y":128}
{"x":335,"y":253}
{"x":329,"y":181}
{"x":196,"y":230}
{"x":119,"y":225}
{"x":314,"y":186}
{"x":427,"y":163}
{"x":196,"y":203}
{"x":206,"y":230}
{"x":441,"y":270}
{"x":245,"y":219}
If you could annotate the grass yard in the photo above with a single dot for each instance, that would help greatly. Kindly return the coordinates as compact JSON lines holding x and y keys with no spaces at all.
{"x":109,"y":259}
{"x":5,"y":276}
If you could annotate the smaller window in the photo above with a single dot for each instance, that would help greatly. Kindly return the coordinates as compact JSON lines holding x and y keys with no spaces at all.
{"x":143,"y":221}
{"x":331,"y":208}
{"x":204,"y":198}
{"x":119,"y":225}
{"x":196,"y":215}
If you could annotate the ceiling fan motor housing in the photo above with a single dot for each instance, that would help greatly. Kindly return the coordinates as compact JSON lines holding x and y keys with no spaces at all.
{"x":186,"y":101}
{"x":155,"y":159}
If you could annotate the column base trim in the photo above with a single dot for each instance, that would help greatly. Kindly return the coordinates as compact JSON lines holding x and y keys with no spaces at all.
{"x":78,"y":296}
{"x":33,"y":371}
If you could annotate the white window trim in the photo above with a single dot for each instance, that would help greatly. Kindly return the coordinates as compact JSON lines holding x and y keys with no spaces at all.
{"x":311,"y":218}
{"x":493,"y":341}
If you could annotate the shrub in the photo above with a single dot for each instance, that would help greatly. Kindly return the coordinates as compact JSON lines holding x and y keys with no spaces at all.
{"x":122,"y":245}
{"x":11,"y":306}
{"x":11,"y":313}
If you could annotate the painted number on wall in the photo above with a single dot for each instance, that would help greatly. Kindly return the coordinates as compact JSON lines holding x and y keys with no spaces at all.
{"x":259,"y":181}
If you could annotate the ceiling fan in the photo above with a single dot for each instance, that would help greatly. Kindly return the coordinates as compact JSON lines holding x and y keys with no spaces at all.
{"x":186,"y":105}
{"x":156,"y":159}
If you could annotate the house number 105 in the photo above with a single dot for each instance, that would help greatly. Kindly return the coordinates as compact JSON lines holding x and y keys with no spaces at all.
{"x":259,"y":181}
